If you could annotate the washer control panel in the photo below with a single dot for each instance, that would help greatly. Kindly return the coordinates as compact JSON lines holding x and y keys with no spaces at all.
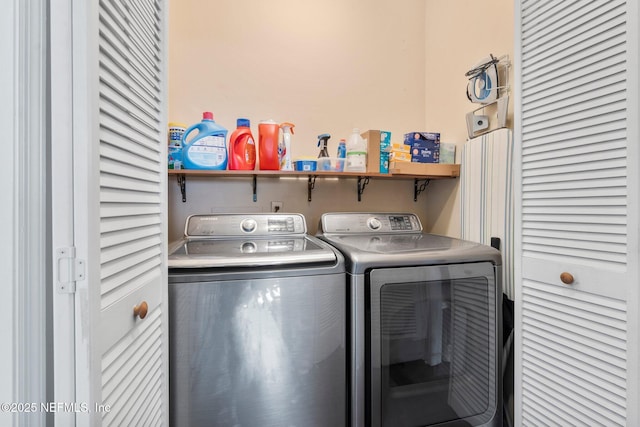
{"x":237,"y":225}
{"x":356,"y":222}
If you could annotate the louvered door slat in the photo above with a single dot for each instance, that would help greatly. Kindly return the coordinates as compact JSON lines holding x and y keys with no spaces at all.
{"x":124,"y":252}
{"x":591,"y":341}
{"x":115,"y":59}
{"x":121,"y":154}
{"x":115,"y":29}
{"x":607,"y":160}
{"x":131,"y":393}
{"x":127,"y":29}
{"x":587,"y":82}
{"x":120,"y":96}
{"x":592,"y":36}
{"x":613,"y":376}
{"x":121,"y":79}
{"x":586,"y":22}
{"x":594,"y":118}
{"x":535,"y":8}
{"x":143,"y":33}
{"x":120,"y":285}
{"x":574,"y":212}
{"x":123,"y":131}
{"x":579,"y":72}
{"x":117,"y":224}
{"x":594,"y":144}
{"x":125,"y":210}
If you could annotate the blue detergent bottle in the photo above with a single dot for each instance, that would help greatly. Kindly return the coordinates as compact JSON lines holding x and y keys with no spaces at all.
{"x":208,"y":148}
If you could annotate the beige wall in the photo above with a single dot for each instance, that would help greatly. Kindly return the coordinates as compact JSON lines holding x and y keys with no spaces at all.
{"x":328,"y":66}
{"x":458,"y":35}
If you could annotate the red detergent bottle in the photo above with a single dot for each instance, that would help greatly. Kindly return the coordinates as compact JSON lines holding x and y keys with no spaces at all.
{"x":268,"y":133}
{"x":242,"y":147}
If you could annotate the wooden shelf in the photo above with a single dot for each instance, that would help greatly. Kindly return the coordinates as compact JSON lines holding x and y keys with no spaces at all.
{"x":423,"y":170}
{"x":416,"y":171}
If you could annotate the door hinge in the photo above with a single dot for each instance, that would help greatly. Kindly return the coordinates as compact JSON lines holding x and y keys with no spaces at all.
{"x":70,"y":270}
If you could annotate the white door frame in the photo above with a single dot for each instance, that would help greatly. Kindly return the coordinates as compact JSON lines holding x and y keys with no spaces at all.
{"x":25,"y":256}
{"x":62,"y":202}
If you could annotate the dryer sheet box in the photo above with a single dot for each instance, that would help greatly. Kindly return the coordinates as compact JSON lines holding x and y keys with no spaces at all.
{"x":425,"y":146}
{"x":378,"y":148}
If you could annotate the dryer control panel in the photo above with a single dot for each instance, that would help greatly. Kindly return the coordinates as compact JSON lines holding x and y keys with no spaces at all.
{"x":357,"y":222}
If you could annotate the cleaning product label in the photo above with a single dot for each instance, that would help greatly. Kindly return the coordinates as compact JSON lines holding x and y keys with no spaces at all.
{"x":208,"y":151}
{"x":250,"y":152}
{"x":175,"y":157}
{"x":356,"y":161}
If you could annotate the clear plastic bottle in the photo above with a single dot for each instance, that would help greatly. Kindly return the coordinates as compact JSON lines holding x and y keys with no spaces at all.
{"x":285,"y":150}
{"x":356,"y":153}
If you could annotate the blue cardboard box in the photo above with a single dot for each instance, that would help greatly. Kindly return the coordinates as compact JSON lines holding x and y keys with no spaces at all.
{"x":425,"y":146}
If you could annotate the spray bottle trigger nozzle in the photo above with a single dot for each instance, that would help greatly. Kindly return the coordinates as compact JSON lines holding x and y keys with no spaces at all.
{"x":286,"y":125}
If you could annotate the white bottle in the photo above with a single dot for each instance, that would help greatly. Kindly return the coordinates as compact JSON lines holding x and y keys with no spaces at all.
{"x":285,"y":149}
{"x":356,"y":153}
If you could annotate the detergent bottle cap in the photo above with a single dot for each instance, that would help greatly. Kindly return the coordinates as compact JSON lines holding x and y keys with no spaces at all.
{"x":243,"y":123}
{"x":287,"y":127}
{"x":207,"y":115}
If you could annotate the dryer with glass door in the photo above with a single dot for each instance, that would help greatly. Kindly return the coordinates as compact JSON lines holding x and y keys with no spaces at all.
{"x":425,"y":323}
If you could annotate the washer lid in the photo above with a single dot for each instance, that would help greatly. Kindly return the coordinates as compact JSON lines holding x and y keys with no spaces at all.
{"x":363,"y":252}
{"x":247,"y":240}
{"x":370,"y":240}
{"x":387,"y":244}
{"x":280,"y":251}
{"x":241,"y":252}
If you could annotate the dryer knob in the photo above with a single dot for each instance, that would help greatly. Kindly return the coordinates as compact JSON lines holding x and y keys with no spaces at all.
{"x":248,"y":225}
{"x":374,"y":223}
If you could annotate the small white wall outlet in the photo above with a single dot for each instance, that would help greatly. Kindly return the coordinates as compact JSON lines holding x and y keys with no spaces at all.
{"x":276,"y":206}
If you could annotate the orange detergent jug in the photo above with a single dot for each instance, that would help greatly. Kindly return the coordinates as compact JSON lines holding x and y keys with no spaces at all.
{"x":242,"y":147}
{"x":268,"y":132}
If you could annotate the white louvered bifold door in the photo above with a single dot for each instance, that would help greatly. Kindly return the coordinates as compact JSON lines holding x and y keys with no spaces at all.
{"x":572,"y":339}
{"x":123,"y":358}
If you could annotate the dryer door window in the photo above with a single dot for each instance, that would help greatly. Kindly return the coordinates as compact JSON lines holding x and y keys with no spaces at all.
{"x":433,"y":345}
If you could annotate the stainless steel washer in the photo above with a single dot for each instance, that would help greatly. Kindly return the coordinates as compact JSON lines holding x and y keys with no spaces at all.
{"x":425,"y":315}
{"x":257,"y":324}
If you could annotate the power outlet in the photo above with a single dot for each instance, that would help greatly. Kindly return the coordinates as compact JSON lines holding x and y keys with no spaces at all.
{"x":276,"y":206}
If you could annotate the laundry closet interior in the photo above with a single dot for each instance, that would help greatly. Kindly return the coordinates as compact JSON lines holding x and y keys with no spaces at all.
{"x":329,"y":67}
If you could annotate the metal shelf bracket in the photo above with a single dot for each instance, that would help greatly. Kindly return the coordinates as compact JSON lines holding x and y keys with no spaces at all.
{"x":362,"y":182}
{"x":255,"y":188}
{"x":182,"y":183}
{"x":311,"y":184}
{"x":419,"y":188}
